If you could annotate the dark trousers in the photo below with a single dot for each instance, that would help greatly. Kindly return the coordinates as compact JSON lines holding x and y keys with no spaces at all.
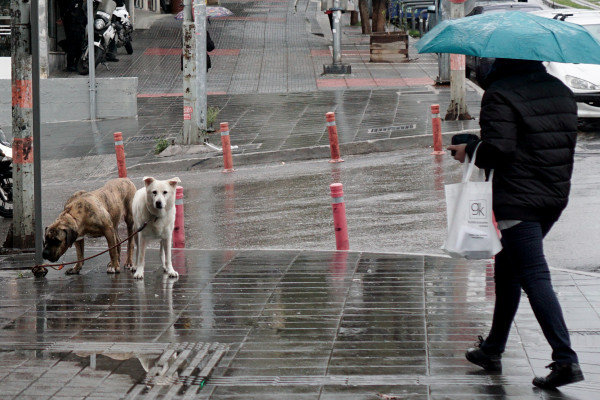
{"x":75,"y":38}
{"x":521,"y":265}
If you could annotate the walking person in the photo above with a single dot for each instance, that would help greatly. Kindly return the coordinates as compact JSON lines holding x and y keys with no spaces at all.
{"x":528,"y":125}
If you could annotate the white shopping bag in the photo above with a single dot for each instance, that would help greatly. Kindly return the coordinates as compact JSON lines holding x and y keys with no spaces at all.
{"x":471,"y":231}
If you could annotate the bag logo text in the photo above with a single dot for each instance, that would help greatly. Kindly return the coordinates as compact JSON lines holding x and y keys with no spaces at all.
{"x":478,"y":209}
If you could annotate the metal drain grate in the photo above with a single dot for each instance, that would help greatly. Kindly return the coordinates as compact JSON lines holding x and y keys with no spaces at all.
{"x":145,"y":139}
{"x":173,"y":370}
{"x":180,"y":371}
{"x":392,"y":128}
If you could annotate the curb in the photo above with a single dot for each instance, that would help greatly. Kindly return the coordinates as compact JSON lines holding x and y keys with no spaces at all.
{"x":288,"y":155}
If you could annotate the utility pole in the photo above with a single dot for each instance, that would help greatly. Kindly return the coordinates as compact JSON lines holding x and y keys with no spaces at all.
{"x":22,"y":123}
{"x":194,"y":73}
{"x":457,"y":110}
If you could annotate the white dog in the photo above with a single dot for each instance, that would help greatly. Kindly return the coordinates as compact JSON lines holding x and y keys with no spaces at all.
{"x":154,"y":204}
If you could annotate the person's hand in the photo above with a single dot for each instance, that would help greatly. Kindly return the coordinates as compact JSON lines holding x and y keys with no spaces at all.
{"x":460,"y":150}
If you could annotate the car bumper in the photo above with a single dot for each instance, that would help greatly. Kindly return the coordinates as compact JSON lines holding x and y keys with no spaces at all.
{"x":588,"y":105}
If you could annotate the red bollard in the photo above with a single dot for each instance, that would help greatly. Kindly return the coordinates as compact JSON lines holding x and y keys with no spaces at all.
{"x":178,"y":230}
{"x":120,"y":150}
{"x":339,"y":217}
{"x":436,"y":124}
{"x":226,"y":145}
{"x":333,"y":138}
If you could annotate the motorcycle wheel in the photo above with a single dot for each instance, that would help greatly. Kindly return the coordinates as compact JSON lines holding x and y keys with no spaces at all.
{"x":6,"y":208}
{"x":128,"y":47}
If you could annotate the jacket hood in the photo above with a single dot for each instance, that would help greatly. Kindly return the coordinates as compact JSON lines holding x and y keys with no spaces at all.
{"x":504,"y":67}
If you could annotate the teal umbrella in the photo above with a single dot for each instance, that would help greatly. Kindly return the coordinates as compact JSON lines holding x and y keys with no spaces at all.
{"x":513,"y":34}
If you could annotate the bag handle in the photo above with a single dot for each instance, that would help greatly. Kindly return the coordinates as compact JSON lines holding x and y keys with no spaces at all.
{"x":470,"y":166}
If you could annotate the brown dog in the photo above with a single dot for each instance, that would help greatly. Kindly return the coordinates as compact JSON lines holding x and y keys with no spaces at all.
{"x":93,"y":214}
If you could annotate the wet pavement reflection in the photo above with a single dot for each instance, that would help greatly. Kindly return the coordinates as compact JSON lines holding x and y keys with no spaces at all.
{"x":286,"y":324}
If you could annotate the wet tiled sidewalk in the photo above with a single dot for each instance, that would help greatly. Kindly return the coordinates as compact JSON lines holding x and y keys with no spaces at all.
{"x":289,"y":325}
{"x":266,"y":47}
{"x":267,"y":83}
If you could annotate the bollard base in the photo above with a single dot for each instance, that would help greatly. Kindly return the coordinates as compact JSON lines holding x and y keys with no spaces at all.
{"x":335,"y":160}
{"x":228,"y":170}
{"x":337,"y":69}
{"x":438,"y":153}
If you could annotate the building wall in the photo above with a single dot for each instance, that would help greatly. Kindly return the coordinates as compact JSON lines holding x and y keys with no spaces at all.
{"x":60,"y":102}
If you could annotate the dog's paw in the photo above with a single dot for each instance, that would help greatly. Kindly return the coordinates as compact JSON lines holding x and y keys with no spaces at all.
{"x":139,"y":274}
{"x":72,"y":271}
{"x":173,"y":274}
{"x":112,"y":270}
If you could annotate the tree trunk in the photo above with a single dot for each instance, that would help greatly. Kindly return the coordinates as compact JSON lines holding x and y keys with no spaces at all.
{"x":365,"y":21}
{"x":379,"y":14}
{"x":353,"y":18}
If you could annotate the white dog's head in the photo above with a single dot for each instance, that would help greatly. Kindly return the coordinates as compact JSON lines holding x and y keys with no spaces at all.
{"x":160,"y":195}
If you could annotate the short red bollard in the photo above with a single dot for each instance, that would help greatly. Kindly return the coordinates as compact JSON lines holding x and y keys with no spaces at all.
{"x":339,"y":217}
{"x":436,"y":124}
{"x":226,"y":145}
{"x":120,"y":150}
{"x":333,"y":138}
{"x":178,"y":230}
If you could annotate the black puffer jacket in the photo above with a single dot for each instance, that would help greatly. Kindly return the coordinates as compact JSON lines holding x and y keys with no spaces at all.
{"x":528,"y":132}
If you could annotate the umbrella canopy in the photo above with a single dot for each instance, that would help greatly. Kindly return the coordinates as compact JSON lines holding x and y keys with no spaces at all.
{"x":513,"y":34}
{"x":211,"y":12}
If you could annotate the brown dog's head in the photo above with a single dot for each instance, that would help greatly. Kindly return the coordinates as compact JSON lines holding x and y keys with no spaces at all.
{"x":57,"y":239}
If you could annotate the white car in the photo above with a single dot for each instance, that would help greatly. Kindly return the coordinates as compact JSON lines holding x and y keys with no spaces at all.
{"x":582,"y":79}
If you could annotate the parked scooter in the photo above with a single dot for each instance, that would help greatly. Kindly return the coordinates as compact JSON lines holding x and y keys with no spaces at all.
{"x":6,"y":182}
{"x":104,"y":33}
{"x":124,"y":28}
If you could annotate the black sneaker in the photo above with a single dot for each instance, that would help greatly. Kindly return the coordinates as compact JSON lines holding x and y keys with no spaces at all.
{"x":111,"y":57}
{"x":562,"y":374}
{"x":489,"y":362}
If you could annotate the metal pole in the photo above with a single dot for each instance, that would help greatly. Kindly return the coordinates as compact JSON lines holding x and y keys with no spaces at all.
{"x":37,"y":156}
{"x":200,"y":33}
{"x":457,"y":110}
{"x":22,"y":116}
{"x":337,"y":34}
{"x":52,"y":17}
{"x":190,"y":128}
{"x":337,"y":67}
{"x":91,"y":58}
